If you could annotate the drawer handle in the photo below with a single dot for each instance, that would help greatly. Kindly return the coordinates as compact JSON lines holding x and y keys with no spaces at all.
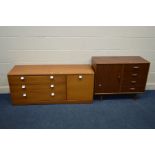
{"x":52,"y":85}
{"x":132,"y":88}
{"x":80,"y":76}
{"x":52,"y":94}
{"x":23,"y":86}
{"x":22,"y":78}
{"x":134,"y":74}
{"x":133,"y":82}
{"x":51,"y":77}
{"x":24,"y":95}
{"x":136,"y":67}
{"x":100,"y":85}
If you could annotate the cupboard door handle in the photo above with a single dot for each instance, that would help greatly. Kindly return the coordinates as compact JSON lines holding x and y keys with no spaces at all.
{"x":22,"y":78}
{"x":134,"y":74}
{"x":23,"y":86}
{"x":80,"y":76}
{"x":51,"y":77}
{"x":136,"y":67}
{"x":132,"y":88}
{"x":52,"y":94}
{"x":133,"y":82}
{"x":100,"y":85}
{"x":24,"y":95}
{"x":52,"y":85}
{"x":118,"y":76}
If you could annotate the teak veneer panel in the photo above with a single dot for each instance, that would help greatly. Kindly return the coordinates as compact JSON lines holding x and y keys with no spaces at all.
{"x":50,"y":69}
{"x":69,"y":87}
{"x":118,"y":60}
{"x":80,"y":88}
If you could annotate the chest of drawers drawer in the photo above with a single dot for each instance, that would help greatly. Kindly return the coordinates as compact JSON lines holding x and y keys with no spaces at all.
{"x":129,"y":80}
{"x":135,"y":74}
{"x":133,"y":89}
{"x":135,"y":68}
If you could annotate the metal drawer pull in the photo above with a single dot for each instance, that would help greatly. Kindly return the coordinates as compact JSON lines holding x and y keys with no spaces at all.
{"x":22,"y":77}
{"x":80,"y":77}
{"x":136,"y":67}
{"x":100,"y":85}
{"x":133,"y":82}
{"x":51,"y":77}
{"x":132,"y":88}
{"x":134,"y":74}
{"x":52,"y":94}
{"x":24,"y":95}
{"x":52,"y":85}
{"x":23,"y":86}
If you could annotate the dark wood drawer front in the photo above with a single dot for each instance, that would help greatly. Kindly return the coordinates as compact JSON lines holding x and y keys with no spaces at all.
{"x":136,"y":68}
{"x":129,"y":80}
{"x":133,"y":89}
{"x":135,"y":74}
{"x":16,"y":80}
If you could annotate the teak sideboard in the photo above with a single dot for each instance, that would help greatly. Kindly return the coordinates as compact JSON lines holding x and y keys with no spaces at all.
{"x":34,"y":84}
{"x":119,"y":75}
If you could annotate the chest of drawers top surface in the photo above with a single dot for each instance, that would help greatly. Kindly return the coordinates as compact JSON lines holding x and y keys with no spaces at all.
{"x":50,"y":69}
{"x":118,"y":60}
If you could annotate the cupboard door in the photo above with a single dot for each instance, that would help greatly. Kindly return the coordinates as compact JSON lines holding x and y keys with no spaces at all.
{"x":108,"y":78}
{"x":80,"y":87}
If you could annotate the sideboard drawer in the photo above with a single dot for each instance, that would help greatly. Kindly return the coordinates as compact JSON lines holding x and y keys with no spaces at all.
{"x":15,"y":80}
{"x":38,"y":88}
{"x":39,"y":96}
{"x":28,"y":97}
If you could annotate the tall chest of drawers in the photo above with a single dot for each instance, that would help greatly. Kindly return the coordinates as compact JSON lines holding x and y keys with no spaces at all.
{"x":38,"y":84}
{"x":126,"y":74}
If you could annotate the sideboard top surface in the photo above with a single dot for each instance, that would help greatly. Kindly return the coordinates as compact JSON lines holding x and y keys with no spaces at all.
{"x":50,"y":69}
{"x":118,"y":60}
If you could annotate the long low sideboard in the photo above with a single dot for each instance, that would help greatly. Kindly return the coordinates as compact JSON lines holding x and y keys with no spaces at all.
{"x":37,"y":84}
